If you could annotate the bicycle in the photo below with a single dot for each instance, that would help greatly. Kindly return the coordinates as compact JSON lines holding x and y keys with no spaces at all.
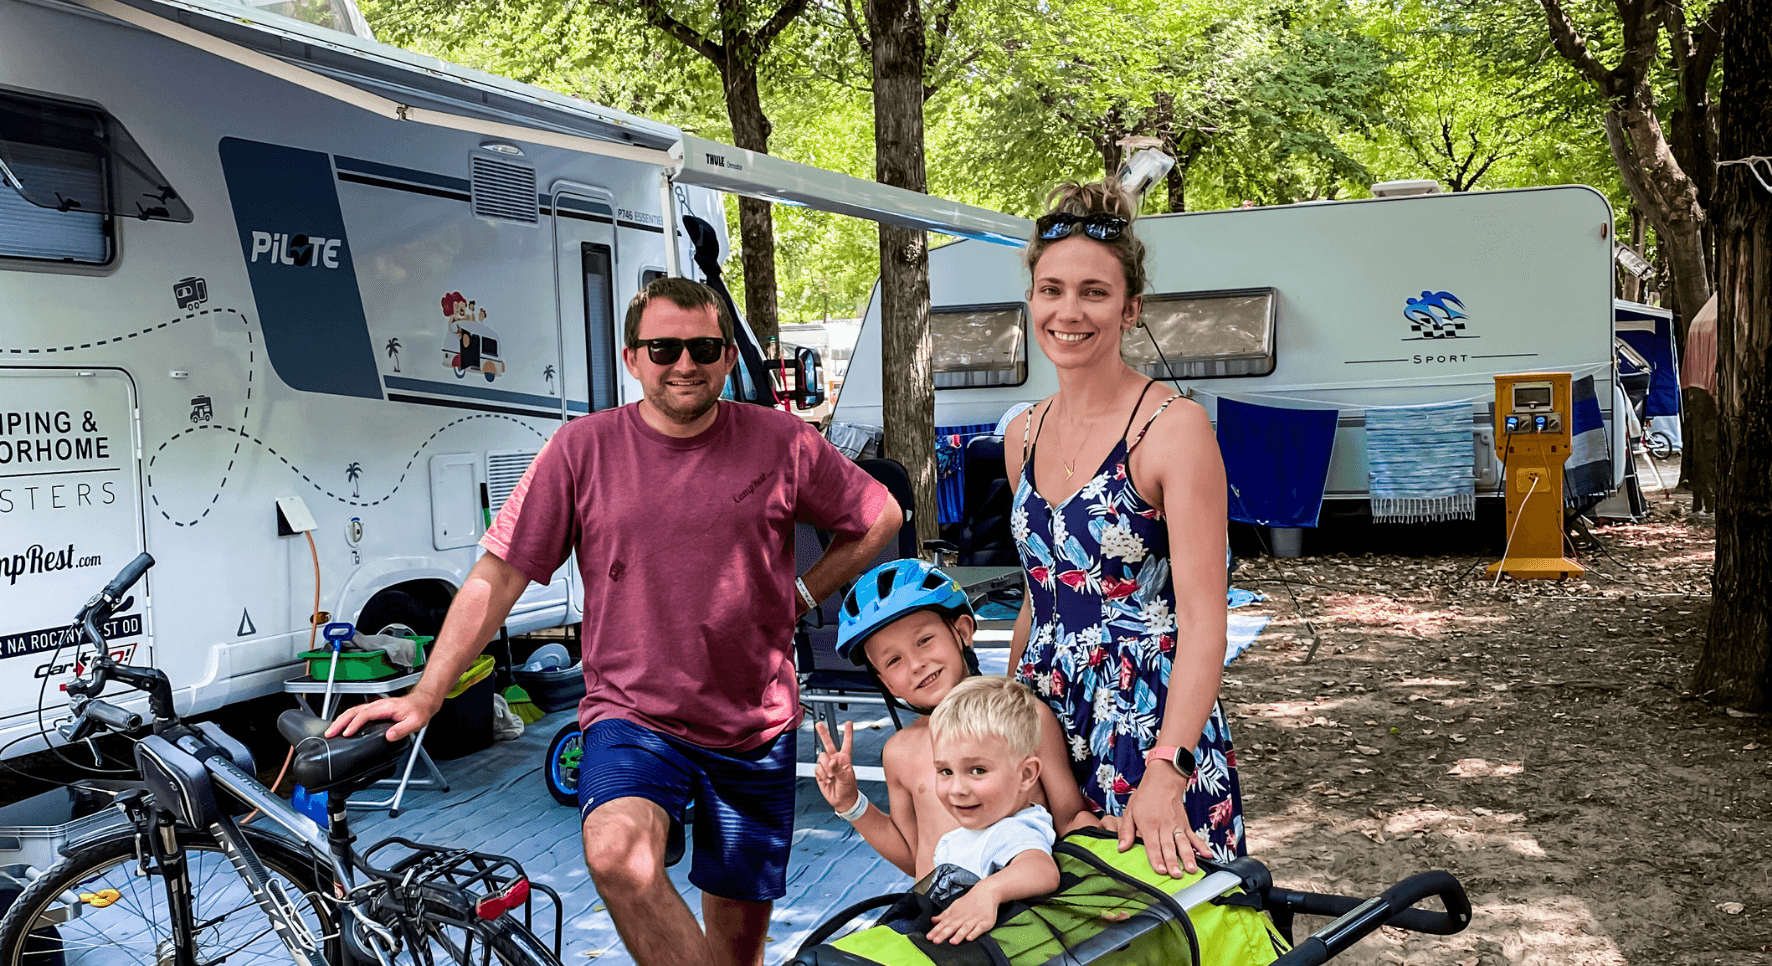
{"x":180,"y":882}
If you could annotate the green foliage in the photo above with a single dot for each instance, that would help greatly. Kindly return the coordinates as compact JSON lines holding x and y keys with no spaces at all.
{"x":1269,"y":101}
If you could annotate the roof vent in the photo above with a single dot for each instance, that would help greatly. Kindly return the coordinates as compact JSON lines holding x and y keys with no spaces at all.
{"x":1402,"y":189}
{"x":504,"y":189}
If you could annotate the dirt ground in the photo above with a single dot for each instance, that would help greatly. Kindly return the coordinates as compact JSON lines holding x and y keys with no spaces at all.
{"x":1536,"y":739}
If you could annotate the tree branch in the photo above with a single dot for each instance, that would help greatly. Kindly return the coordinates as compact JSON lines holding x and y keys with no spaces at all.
{"x":1573,"y":46}
{"x":654,"y":13}
{"x":784,"y":15}
{"x":1642,"y":43}
{"x":1710,"y":40}
{"x":938,"y":37}
{"x":856,"y":27}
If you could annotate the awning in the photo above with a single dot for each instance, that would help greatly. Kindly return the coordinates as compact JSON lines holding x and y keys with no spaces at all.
{"x":405,"y":86}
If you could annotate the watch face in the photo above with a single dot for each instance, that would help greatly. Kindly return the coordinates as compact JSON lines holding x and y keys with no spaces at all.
{"x":1184,"y":761}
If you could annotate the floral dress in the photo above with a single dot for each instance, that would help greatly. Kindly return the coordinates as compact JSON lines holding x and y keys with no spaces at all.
{"x":1103,"y":636}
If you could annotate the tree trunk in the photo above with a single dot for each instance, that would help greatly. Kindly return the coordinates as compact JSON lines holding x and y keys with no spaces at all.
{"x":756,"y":220}
{"x":1670,"y":199}
{"x":906,"y":350}
{"x":1736,"y":665}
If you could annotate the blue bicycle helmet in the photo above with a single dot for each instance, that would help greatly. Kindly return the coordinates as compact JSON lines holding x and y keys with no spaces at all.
{"x":888,"y":592}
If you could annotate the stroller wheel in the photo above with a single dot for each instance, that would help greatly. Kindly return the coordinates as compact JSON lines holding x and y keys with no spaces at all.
{"x":560,"y":770}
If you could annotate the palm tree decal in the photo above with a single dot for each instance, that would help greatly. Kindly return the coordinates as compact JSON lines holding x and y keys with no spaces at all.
{"x":548,"y":374}
{"x":394,"y":352}
{"x":351,"y":473}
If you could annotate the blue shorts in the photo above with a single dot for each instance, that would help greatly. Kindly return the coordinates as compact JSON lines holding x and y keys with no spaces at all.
{"x":744,"y":803}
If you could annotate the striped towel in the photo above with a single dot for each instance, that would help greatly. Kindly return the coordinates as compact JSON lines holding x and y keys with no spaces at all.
{"x":1422,"y":463}
{"x":1587,"y":477}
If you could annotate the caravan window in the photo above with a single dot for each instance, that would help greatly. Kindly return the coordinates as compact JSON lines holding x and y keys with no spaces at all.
{"x":67,"y":170}
{"x":979,"y":345}
{"x":1202,"y":335}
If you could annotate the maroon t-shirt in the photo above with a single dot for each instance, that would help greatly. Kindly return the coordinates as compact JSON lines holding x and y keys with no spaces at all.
{"x":686,"y":547}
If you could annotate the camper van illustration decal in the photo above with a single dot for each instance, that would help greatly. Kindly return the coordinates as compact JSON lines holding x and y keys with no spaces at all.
{"x":1436,"y":315}
{"x":190,"y":292}
{"x":471,"y":345}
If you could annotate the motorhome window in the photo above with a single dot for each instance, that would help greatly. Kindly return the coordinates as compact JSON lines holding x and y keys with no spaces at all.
{"x":44,"y":234}
{"x":650,"y":275}
{"x":72,"y":158}
{"x":1205,"y":335}
{"x":600,"y":349}
{"x":979,"y":345}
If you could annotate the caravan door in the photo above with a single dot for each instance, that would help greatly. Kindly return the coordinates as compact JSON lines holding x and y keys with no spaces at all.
{"x":70,"y":518}
{"x":586,"y":294}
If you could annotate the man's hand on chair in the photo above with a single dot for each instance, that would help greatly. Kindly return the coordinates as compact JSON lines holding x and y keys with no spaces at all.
{"x":408,"y":714}
{"x":836,"y":769}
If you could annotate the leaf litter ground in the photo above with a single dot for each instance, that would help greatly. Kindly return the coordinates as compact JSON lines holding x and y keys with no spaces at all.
{"x":1534,"y":738}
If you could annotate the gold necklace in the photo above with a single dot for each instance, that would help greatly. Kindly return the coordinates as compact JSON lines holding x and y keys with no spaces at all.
{"x":1070,"y":466}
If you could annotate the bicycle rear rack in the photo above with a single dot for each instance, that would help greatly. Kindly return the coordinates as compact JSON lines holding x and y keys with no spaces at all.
{"x":476,"y":874}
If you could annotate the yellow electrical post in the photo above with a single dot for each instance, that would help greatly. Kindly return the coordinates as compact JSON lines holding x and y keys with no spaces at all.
{"x":1533,"y":414}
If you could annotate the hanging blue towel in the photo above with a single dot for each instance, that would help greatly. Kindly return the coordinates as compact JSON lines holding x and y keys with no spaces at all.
{"x":1587,"y":477}
{"x":950,"y":468}
{"x":1276,"y":461}
{"x":1421,"y":463}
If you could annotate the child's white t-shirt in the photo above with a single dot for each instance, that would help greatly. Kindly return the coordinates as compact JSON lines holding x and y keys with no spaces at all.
{"x":985,"y":851}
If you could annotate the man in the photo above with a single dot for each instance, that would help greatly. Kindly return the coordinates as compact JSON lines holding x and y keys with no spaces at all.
{"x":681,"y":508}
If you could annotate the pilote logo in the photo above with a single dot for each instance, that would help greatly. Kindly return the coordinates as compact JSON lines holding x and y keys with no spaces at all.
{"x":296,"y":250}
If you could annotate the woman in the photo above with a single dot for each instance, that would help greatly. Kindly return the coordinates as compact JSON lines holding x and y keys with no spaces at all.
{"x":1120,"y":520}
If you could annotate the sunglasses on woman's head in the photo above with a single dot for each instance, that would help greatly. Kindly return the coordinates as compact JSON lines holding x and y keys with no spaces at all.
{"x":702,"y":352}
{"x":1059,"y":224}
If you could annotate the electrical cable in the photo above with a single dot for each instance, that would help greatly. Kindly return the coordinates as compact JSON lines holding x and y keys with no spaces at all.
{"x":1500,"y":567}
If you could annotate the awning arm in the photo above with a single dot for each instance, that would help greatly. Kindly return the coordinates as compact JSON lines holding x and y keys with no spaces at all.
{"x":710,"y":164}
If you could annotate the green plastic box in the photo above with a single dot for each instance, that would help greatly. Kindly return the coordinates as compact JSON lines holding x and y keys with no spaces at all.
{"x":358,"y":665}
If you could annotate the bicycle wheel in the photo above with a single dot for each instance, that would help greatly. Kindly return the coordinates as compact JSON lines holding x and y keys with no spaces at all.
{"x":1661,"y":446}
{"x":561,"y":769}
{"x":120,"y":917}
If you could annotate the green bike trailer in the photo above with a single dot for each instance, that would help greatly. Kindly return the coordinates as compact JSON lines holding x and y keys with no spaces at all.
{"x":1113,"y":909}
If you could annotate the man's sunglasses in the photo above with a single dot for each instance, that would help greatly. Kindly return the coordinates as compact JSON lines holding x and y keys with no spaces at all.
{"x":1059,"y":224}
{"x":702,"y":352}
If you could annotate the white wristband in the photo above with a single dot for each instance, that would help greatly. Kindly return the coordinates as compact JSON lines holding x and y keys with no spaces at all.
{"x":805,"y":595}
{"x":857,"y":810}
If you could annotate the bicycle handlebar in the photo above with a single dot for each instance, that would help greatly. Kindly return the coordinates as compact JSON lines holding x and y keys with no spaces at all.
{"x":1359,"y":918}
{"x":152,"y":680}
{"x":127,"y":577}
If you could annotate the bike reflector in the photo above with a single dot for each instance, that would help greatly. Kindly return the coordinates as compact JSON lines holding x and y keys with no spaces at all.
{"x":493,"y":906}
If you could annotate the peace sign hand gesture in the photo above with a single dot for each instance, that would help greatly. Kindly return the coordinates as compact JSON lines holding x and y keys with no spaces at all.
{"x":836,"y":769}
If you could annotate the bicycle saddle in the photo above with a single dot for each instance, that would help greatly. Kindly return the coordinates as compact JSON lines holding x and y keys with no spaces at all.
{"x":323,"y":763}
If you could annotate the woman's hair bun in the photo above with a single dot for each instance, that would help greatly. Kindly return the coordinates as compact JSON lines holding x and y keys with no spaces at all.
{"x":1095,"y":197}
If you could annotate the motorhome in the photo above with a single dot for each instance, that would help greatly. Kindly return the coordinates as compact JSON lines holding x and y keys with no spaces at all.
{"x":293,"y":310}
{"x":225,"y":290}
{"x":1347,"y":305}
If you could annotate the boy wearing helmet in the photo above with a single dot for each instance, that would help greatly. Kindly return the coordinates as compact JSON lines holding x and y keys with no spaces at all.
{"x":911,"y":627}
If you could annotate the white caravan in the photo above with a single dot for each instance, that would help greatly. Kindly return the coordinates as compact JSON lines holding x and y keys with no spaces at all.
{"x":265,"y":278}
{"x":1384,"y":302}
